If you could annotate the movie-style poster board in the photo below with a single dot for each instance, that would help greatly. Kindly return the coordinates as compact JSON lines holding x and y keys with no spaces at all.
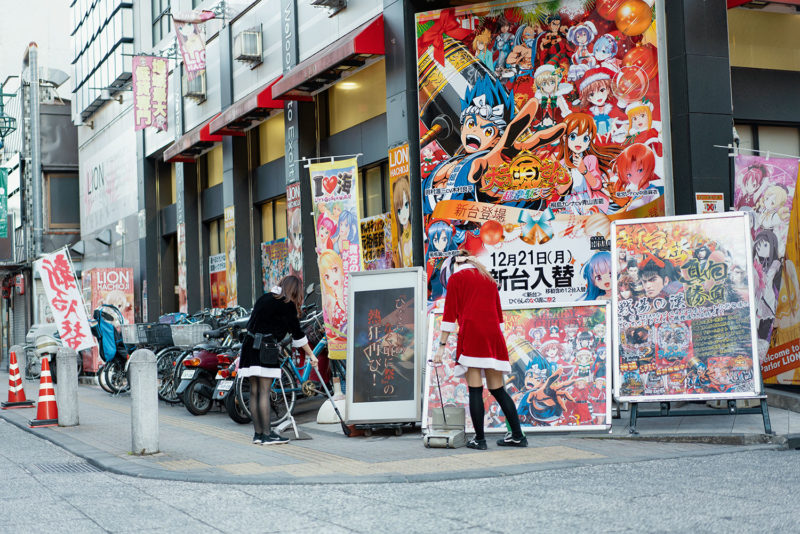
{"x":376,"y":242}
{"x":685,"y":325}
{"x":400,"y":191}
{"x":781,"y":365}
{"x":765,"y":188}
{"x":295,"y":230}
{"x":334,"y":195}
{"x":217,"y":282}
{"x":560,"y":369}
{"x":274,"y":262}
{"x":549,"y":109}
{"x":385,"y":345}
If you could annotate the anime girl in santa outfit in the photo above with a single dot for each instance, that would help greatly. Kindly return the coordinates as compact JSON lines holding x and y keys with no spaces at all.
{"x":589,"y":165}
{"x":640,"y":126}
{"x":605,"y":53}
{"x":550,"y":94}
{"x":581,"y":36}
{"x":595,"y":96}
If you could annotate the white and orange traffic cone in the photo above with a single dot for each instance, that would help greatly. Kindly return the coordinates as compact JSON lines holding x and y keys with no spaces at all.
{"x":16,"y":393}
{"x":46,"y":407}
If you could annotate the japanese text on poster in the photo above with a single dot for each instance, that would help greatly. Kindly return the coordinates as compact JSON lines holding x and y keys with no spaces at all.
{"x":376,"y":242}
{"x":150,"y":88}
{"x":294,"y":226}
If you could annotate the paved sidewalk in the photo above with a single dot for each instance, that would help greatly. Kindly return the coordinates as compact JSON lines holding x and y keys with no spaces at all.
{"x":213,"y":448}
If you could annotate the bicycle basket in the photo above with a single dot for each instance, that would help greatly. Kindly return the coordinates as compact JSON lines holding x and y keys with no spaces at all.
{"x":130,"y":334}
{"x":155,"y":334}
{"x":188,"y":335}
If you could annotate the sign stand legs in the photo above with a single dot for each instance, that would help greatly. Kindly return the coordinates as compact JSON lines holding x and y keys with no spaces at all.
{"x":665,"y":411}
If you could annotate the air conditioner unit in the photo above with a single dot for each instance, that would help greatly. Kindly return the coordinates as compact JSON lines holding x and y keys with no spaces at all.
{"x":196,"y":88}
{"x":247,"y":46}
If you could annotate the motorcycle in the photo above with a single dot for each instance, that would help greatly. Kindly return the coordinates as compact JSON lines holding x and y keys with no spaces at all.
{"x":224,"y":393}
{"x":46,"y":347}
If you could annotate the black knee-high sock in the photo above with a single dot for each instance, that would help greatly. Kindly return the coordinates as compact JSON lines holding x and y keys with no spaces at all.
{"x":476,"y":410}
{"x":509,"y":410}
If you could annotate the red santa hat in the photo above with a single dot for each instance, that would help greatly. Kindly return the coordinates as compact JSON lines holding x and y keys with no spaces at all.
{"x":595,"y":75}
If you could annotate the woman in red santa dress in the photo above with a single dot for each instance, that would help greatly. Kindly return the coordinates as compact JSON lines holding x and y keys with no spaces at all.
{"x":473,"y":302}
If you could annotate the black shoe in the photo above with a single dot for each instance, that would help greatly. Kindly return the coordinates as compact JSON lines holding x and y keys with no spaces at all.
{"x":258,"y":439}
{"x":273,"y":439}
{"x":479,"y":444}
{"x":510,"y":441}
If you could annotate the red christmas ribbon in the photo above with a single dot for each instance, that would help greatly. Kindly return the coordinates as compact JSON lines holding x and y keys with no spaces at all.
{"x":447,"y":23}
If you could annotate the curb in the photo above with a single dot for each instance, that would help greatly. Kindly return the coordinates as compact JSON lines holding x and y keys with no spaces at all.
{"x":782,"y":440}
{"x":785,"y":400}
{"x":119,"y":466}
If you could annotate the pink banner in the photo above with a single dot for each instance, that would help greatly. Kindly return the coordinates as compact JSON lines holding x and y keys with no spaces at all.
{"x":191,"y":40}
{"x":765,"y":187}
{"x":150,"y":92}
{"x":66,"y":302}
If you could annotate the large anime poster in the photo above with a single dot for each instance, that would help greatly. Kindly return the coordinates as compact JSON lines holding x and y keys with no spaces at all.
{"x":274,"y":263}
{"x":552,"y":108}
{"x":765,"y":187}
{"x":559,"y":370}
{"x":334,"y":195}
{"x":293,"y":224}
{"x":686,"y":321}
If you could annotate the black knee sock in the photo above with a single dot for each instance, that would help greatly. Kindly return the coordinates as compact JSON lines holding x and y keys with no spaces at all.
{"x":509,"y":410}
{"x":476,"y":410}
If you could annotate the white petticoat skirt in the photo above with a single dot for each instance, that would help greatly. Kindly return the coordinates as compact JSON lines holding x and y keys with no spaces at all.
{"x":257,"y":370}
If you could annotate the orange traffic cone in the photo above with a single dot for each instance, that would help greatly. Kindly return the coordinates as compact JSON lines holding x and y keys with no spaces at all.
{"x":46,"y":407}
{"x":16,"y":394}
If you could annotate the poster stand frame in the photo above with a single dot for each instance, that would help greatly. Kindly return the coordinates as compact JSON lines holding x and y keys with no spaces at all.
{"x":665,"y":410}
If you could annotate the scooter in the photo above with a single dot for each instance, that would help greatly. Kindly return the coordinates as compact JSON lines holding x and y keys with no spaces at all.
{"x":224,"y":393}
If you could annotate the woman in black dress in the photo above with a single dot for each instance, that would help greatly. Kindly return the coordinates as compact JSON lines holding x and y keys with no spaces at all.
{"x":276,"y":313}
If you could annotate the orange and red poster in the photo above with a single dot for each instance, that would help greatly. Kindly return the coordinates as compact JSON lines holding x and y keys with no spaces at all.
{"x":230,"y":257}
{"x":216,"y":276}
{"x":553,"y":108}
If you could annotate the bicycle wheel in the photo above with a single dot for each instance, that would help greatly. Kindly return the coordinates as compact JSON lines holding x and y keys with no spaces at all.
{"x":166,"y":361}
{"x":291,"y":385}
{"x":116,"y":377}
{"x":101,"y":378}
{"x":242,"y":391}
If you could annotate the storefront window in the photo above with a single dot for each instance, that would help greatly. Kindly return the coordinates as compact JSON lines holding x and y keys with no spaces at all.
{"x":374,"y":193}
{"x":62,"y":196}
{"x":216,"y":237}
{"x":764,"y":40}
{"x":214,"y":166}
{"x":162,"y":21}
{"x":271,"y":139}
{"x":357,"y":98}
{"x":784,"y":140}
{"x":273,"y":219}
{"x":167,"y":193}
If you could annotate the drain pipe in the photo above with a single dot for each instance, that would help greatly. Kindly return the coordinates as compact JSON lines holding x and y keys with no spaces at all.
{"x":36,"y":149}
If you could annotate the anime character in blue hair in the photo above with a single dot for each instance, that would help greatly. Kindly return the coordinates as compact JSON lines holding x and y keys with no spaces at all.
{"x":490,"y":127}
{"x":605,"y":52}
{"x":345,"y":240}
{"x":542,"y":399}
{"x":443,"y":239}
{"x":597,"y":273}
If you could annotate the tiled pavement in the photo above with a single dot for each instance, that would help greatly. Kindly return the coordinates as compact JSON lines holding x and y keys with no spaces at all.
{"x":214,"y":448}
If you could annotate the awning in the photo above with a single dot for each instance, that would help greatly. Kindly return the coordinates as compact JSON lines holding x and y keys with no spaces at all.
{"x":327,"y":66}
{"x":192,"y":144}
{"x":246,"y":113}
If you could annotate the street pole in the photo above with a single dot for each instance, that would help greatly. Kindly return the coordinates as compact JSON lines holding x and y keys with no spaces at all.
{"x":36,"y":147}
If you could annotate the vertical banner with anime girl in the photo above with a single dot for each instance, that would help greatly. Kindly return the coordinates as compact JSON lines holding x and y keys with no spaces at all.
{"x":400,"y":186}
{"x":550,"y":109}
{"x":295,"y":238}
{"x":230,"y":257}
{"x":334,"y":194}
{"x":765,"y":188}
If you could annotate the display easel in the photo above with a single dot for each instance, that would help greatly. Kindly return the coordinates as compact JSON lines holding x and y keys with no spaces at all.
{"x":666,"y":411}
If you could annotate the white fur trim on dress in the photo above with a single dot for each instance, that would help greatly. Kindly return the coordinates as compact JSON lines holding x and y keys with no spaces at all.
{"x":480,"y":363}
{"x":264,"y":372}
{"x":447,"y":327}
{"x":297,"y":343}
{"x":502,"y":327}
{"x":276,"y":290}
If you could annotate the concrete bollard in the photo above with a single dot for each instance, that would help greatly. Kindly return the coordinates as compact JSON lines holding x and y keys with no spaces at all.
{"x":67,"y":386}
{"x":22,"y":360}
{"x":144,"y":402}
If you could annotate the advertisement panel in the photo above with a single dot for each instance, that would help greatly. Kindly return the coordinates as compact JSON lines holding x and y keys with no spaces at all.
{"x":149,"y":92}
{"x":400,"y":188}
{"x":230,"y":257}
{"x":334,"y":195}
{"x":560,"y":370}
{"x":376,"y":242}
{"x":549,"y":107}
{"x":685,"y":324}
{"x":295,"y":228}
{"x":274,"y":263}
{"x":765,"y":188}
{"x":113,"y":286}
{"x":219,"y":286}
{"x":183,"y":304}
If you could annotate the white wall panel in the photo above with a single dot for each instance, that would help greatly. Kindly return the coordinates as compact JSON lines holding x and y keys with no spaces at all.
{"x":316,"y":30}
{"x":246,"y":80}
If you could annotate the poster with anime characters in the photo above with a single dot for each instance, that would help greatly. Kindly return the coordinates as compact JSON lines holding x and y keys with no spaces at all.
{"x":764,"y":187}
{"x":685,"y":324}
{"x":334,"y":195}
{"x":295,"y":229}
{"x":274,"y":262}
{"x":781,"y":365}
{"x":560,"y":370}
{"x":552,"y":108}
